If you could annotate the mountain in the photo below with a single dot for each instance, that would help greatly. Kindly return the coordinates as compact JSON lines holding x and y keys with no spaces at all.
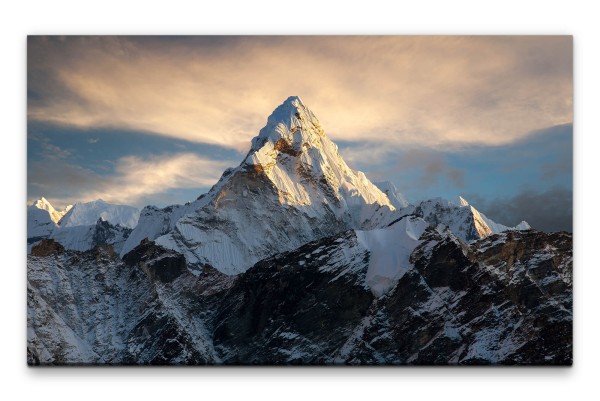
{"x":83,"y":238}
{"x":81,"y":226}
{"x":42,"y":219}
{"x":466,"y":222}
{"x":39,"y":223}
{"x":394,"y":195}
{"x":505,"y":299}
{"x":87,"y":213}
{"x":292,"y":173}
{"x":294,"y":258}
{"x":155,"y":222}
{"x":459,"y":304}
{"x":55,"y":215}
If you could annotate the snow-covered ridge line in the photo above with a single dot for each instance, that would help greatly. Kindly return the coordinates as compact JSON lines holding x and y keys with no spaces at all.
{"x":82,"y":226}
{"x":394,"y":195}
{"x":390,"y":249}
{"x":466,"y":222}
{"x":87,"y":213}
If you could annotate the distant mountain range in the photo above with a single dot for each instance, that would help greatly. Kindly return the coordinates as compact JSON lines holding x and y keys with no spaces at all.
{"x":81,"y":226}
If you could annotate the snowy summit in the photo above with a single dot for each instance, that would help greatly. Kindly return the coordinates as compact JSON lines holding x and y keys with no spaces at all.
{"x":293,"y":172}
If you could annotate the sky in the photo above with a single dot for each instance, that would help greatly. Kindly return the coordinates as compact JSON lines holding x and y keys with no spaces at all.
{"x":156,"y":120}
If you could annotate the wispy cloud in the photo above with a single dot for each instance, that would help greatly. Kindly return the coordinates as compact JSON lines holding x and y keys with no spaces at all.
{"x":550,"y":210}
{"x":431,"y":91}
{"x":432,"y":167}
{"x":132,"y":182}
{"x":136,"y":178}
{"x":50,"y":151}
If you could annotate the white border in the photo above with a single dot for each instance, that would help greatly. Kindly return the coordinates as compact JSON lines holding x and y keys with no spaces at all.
{"x":302,"y":17}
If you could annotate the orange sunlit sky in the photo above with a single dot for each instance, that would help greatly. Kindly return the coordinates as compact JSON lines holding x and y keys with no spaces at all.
{"x":155,"y":120}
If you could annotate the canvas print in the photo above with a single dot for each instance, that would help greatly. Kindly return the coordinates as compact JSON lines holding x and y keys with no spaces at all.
{"x":299,"y":200}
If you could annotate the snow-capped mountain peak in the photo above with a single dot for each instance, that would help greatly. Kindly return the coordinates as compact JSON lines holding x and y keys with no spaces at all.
{"x":466,"y":222}
{"x":88,"y":213}
{"x":459,"y":201}
{"x":291,"y":120}
{"x":293,"y":151}
{"x":43,"y":203}
{"x":42,"y":219}
{"x":293,"y":172}
{"x":55,"y":215}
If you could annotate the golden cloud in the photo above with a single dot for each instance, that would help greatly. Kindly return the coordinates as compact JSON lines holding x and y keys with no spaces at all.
{"x":397,"y":90}
{"x":134,"y":179}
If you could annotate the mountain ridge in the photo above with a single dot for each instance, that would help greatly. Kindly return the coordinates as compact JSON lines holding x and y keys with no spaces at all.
{"x":292,"y":171}
{"x":84,"y":224}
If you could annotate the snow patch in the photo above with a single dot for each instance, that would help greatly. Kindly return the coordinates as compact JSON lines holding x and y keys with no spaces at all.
{"x":390,"y":250}
{"x":88,"y":213}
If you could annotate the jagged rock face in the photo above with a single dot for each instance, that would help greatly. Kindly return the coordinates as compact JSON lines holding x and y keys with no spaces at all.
{"x":157,"y":262}
{"x":297,"y":307}
{"x":506,"y":299}
{"x":450,"y":309}
{"x":47,"y":247}
{"x":464,"y":312}
{"x":91,"y":308}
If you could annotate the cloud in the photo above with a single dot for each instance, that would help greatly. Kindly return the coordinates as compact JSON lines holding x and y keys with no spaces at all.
{"x":134,"y":179}
{"x":48,"y":150}
{"x":432,"y":168}
{"x":563,"y":166}
{"x":55,"y":178}
{"x":549,"y":211}
{"x":432,"y":91}
{"x":365,"y":153}
{"x":456,"y":176}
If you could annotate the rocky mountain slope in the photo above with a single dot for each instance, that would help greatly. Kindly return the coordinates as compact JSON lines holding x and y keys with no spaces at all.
{"x":505,"y":299}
